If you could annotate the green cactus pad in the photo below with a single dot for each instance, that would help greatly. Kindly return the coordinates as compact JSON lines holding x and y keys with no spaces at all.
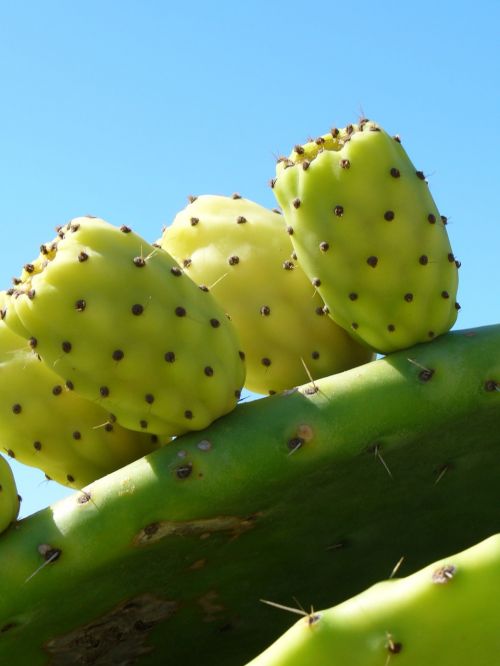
{"x":45,"y":424}
{"x":445,"y":614}
{"x":9,"y":499}
{"x":315,"y":494}
{"x":241,"y":250}
{"x":116,"y":318}
{"x":367,"y":232}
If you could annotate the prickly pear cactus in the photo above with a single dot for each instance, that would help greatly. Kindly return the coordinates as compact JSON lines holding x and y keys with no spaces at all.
{"x":121,"y":324}
{"x":9,"y":499}
{"x":367,"y":232}
{"x":45,"y":424}
{"x":445,"y":614}
{"x":240,"y":249}
{"x":315,"y":494}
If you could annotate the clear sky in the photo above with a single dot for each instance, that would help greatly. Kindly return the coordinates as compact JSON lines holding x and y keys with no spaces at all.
{"x":122,"y":109}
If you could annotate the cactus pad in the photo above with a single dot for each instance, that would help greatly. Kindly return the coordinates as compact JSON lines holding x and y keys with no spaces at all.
{"x":445,"y":614}
{"x":293,"y":495}
{"x":9,"y":499}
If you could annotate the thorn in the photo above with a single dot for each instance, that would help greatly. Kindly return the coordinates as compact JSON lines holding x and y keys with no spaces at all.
{"x":55,"y":554}
{"x":296,"y":443}
{"x":316,"y":389}
{"x":297,"y":611}
{"x":86,"y":497}
{"x":397,"y":566}
{"x":311,"y":616}
{"x":426,"y":373}
{"x":442,"y":472}
{"x":378,"y":455}
{"x":217,"y":281}
{"x":152,"y":253}
{"x":392,"y":646}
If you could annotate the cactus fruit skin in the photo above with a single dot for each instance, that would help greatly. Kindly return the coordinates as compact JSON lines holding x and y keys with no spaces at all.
{"x":445,"y":614}
{"x":116,"y":317}
{"x":46,"y":425}
{"x":240,"y":250}
{"x":9,"y":499}
{"x":368,"y":233}
{"x":332,"y":500}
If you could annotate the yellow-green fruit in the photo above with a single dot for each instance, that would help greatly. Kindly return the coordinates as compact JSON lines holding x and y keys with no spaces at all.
{"x":117,"y":319}
{"x":45,"y":424}
{"x":9,"y":499}
{"x":243,"y":253}
{"x":368,"y":234}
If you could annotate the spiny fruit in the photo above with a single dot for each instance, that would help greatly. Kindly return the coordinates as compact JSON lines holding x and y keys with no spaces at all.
{"x":240,"y":249}
{"x":120,"y":323}
{"x":446,"y":614}
{"x":9,"y":499}
{"x":45,"y":424}
{"x":368,"y":233}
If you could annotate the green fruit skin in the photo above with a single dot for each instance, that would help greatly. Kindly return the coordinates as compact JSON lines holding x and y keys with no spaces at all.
{"x":116,"y":317}
{"x":46,"y":425}
{"x":242,"y":251}
{"x":9,"y":499}
{"x":446,"y":614}
{"x":389,"y":276}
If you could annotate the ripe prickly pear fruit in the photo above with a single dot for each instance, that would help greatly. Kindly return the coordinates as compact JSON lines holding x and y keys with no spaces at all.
{"x":368,"y":233}
{"x":116,"y":319}
{"x":9,"y":499}
{"x":45,"y":424}
{"x":446,"y":614}
{"x":240,"y":249}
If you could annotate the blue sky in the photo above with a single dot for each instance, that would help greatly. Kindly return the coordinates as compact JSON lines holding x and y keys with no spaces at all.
{"x":123,"y":109}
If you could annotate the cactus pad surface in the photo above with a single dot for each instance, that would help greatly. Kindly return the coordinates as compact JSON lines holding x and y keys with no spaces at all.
{"x":9,"y":499}
{"x":445,"y":614}
{"x":315,"y":494}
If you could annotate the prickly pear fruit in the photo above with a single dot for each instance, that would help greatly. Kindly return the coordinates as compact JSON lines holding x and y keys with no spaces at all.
{"x":368,"y":233}
{"x":118,"y":320}
{"x":45,"y":424}
{"x":240,"y":249}
{"x":9,"y":499}
{"x":446,"y":614}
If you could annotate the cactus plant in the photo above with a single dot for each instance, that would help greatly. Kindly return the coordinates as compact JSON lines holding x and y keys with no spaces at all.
{"x":119,"y":322}
{"x":292,"y":495}
{"x":45,"y":424}
{"x":241,"y":248}
{"x":444,"y":614}
{"x":9,"y":499}
{"x":368,"y":233}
